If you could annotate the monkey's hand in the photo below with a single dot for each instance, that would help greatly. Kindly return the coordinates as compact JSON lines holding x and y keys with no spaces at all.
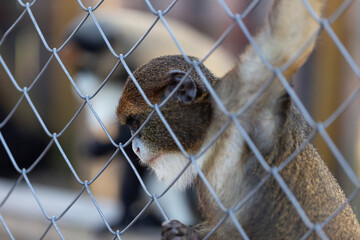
{"x":177,"y":230}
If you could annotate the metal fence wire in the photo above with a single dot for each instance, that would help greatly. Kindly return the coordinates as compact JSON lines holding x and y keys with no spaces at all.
{"x":121,"y":58}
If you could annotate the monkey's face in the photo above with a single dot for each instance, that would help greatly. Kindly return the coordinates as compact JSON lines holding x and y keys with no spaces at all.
{"x":188,"y":114}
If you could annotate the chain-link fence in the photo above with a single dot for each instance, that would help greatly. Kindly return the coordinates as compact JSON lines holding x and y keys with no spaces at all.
{"x":121,"y":59}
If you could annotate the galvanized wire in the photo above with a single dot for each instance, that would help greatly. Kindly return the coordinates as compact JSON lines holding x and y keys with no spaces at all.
{"x":153,"y":199}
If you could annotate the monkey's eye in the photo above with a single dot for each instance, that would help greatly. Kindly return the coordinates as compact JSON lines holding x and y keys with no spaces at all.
{"x":133,"y":123}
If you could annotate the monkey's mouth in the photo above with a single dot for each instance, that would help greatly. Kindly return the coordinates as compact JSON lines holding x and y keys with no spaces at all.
{"x":152,"y":161}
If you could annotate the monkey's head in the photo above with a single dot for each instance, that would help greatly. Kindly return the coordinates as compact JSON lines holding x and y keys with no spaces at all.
{"x":188,"y":112}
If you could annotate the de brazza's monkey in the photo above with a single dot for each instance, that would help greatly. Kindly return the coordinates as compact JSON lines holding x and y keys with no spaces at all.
{"x":231,"y":167}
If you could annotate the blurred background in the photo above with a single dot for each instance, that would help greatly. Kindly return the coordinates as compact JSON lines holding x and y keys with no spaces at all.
{"x":323,"y":84}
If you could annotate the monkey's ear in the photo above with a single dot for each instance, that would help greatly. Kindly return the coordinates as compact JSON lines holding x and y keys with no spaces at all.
{"x":186,"y":92}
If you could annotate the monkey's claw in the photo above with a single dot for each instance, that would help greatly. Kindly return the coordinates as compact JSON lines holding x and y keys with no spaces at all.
{"x":175,"y":230}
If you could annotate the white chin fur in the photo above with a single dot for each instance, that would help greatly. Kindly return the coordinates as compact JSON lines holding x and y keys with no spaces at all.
{"x":169,"y":166}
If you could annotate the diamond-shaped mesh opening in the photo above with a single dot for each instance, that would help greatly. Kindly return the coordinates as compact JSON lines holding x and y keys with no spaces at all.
{"x":23,"y":51}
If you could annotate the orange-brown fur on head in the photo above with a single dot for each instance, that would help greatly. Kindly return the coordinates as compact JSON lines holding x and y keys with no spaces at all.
{"x":153,"y":79}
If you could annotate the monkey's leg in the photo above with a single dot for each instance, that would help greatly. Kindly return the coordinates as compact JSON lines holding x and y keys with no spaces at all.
{"x":287,"y":39}
{"x":290,"y":28}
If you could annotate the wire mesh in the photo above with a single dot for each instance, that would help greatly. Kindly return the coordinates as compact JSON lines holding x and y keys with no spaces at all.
{"x":121,"y":58}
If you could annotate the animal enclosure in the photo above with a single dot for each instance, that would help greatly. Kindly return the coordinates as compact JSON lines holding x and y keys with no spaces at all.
{"x":329,"y":103}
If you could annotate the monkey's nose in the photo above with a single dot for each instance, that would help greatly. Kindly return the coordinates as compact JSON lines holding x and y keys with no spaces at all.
{"x":136,"y":146}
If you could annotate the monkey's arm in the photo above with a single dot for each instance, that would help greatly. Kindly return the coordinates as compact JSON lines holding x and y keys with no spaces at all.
{"x":290,"y":25}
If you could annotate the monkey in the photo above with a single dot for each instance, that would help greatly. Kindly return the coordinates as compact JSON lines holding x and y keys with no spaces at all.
{"x":231,"y":165}
{"x":90,"y":61}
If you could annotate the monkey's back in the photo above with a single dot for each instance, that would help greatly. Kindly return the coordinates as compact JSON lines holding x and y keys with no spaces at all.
{"x":310,"y":182}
